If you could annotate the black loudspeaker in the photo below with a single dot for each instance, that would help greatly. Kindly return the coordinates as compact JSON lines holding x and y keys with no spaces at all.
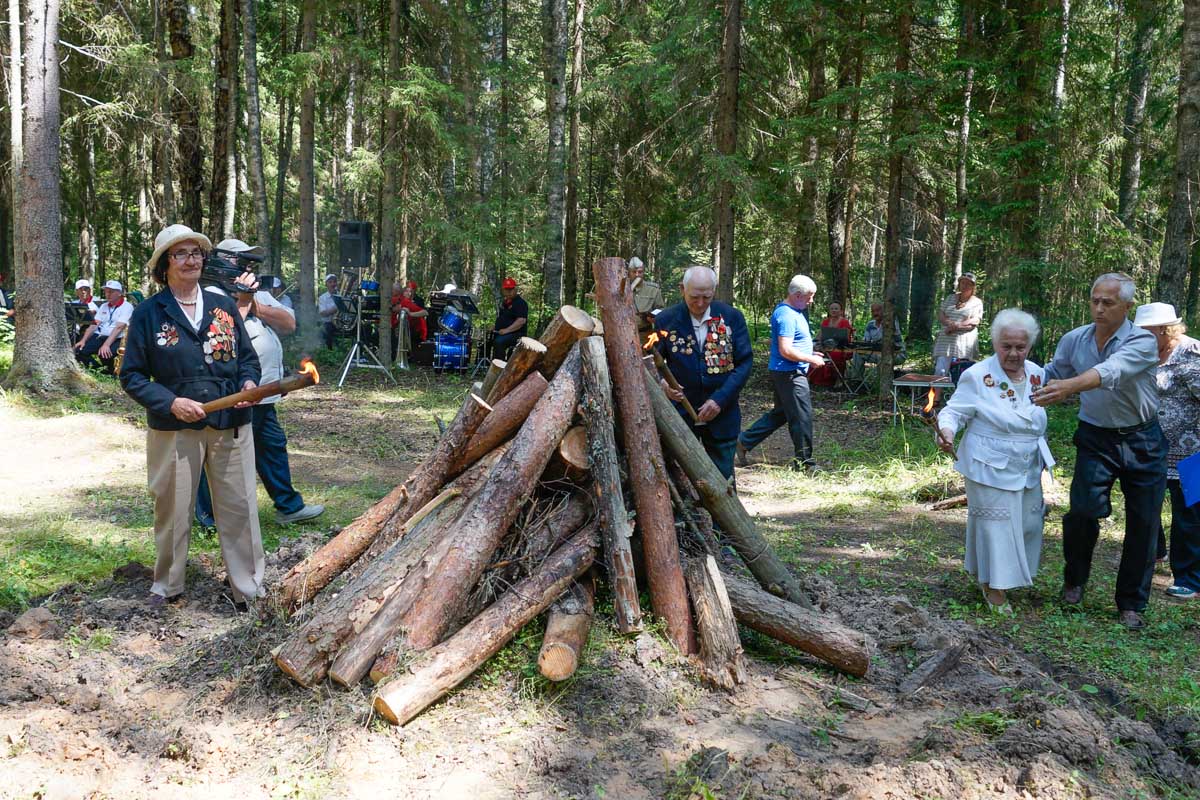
{"x":354,"y":244}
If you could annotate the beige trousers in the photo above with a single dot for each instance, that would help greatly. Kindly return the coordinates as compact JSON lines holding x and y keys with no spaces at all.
{"x":174,"y":460}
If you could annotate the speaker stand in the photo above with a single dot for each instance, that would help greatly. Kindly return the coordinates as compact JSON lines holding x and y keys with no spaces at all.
{"x":355,"y":357}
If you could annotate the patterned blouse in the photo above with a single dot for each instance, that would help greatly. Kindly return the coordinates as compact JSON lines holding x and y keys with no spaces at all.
{"x":1179,"y":402}
{"x":959,"y":345}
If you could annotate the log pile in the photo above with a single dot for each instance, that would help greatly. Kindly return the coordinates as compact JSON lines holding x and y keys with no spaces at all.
{"x":565,"y":475}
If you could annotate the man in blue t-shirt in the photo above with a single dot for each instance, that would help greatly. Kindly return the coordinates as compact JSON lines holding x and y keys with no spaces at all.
{"x":792,"y":356}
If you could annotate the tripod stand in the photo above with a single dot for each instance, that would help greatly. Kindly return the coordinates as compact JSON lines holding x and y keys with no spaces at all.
{"x":355,"y":357}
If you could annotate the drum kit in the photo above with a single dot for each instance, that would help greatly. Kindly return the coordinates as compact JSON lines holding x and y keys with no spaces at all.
{"x":454,"y":310}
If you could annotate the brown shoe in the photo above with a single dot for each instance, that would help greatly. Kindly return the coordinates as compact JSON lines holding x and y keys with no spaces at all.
{"x":1072,"y":595}
{"x":1132,"y":620}
{"x":742,"y":457}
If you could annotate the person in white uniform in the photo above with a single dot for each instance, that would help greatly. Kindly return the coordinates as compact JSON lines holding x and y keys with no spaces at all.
{"x":1001,"y":456}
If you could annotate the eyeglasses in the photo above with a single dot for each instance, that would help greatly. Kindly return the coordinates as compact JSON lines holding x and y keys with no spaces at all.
{"x":184,"y":255}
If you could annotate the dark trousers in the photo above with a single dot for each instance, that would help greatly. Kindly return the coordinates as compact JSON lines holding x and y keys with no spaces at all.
{"x":271,"y":461}
{"x":1139,"y":461}
{"x":503,"y":344}
{"x":89,"y":354}
{"x":793,"y":407}
{"x":328,"y":332}
{"x":1185,"y":539}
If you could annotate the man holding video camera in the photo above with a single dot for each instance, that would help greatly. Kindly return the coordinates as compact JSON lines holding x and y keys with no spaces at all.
{"x":102,"y":337}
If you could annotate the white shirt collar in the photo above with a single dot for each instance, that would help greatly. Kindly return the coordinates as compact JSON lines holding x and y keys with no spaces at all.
{"x":696,"y":323}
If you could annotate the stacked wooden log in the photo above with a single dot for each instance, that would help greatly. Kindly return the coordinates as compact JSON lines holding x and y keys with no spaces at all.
{"x":567,"y":456}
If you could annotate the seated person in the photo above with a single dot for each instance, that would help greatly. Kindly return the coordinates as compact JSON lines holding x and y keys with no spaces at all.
{"x":103,"y":336}
{"x":404,"y":298}
{"x":824,"y":375}
{"x":83,"y":294}
{"x":874,"y":334}
{"x":512,"y":319}
{"x":327,"y":309}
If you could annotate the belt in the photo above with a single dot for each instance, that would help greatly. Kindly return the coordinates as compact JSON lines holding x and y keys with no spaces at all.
{"x":1141,"y":426}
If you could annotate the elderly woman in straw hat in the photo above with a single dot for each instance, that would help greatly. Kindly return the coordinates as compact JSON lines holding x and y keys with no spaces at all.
{"x":1179,"y":415}
{"x":186,"y":347}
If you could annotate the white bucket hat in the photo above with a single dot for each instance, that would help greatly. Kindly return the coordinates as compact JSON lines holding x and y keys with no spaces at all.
{"x":238,"y":246}
{"x":1152,"y":314}
{"x":172,"y":235}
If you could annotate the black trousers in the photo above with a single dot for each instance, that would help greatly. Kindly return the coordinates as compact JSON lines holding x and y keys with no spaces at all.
{"x":89,"y":354}
{"x":1139,"y":461}
{"x":793,"y":407}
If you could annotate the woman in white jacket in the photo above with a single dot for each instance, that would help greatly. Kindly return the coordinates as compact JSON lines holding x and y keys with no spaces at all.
{"x":1001,"y":456}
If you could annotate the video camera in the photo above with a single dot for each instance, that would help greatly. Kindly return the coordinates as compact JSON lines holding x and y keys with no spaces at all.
{"x":223,"y":267}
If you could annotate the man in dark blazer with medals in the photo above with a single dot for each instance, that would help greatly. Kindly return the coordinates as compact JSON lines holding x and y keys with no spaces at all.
{"x":707,"y":348}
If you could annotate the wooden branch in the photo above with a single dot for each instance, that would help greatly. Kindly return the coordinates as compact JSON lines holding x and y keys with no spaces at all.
{"x":316,"y":571}
{"x":718,"y":497}
{"x":567,"y":625}
{"x":816,"y":634}
{"x":647,"y":475}
{"x":493,"y":375}
{"x":597,"y":327}
{"x":615,"y":528}
{"x":503,"y":422}
{"x":950,"y":502}
{"x":447,"y":665}
{"x":455,"y":567}
{"x":525,"y":357}
{"x":569,"y":325}
{"x":721,"y":662}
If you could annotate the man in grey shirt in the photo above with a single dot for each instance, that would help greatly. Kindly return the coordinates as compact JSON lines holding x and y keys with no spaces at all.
{"x":1111,"y":365}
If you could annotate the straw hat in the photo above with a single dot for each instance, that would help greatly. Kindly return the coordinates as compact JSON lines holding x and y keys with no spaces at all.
{"x":173,"y":235}
{"x":1153,"y":314}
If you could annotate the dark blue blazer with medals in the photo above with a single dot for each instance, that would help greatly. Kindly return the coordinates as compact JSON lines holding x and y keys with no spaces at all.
{"x":165,"y":359}
{"x":717,"y":370}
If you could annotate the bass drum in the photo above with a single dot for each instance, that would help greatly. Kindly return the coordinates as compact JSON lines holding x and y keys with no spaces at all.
{"x":450,"y":352}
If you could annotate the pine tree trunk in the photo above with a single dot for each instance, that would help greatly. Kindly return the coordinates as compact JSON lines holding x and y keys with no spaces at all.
{"x":725,"y":130}
{"x":966,"y":55}
{"x":307,"y":312}
{"x":184,"y":111}
{"x":224,"y":124}
{"x":1181,"y":215}
{"x":258,"y":179}
{"x":391,"y":145}
{"x":16,"y":137}
{"x":571,"y":235}
{"x":86,"y":163}
{"x":556,"y":109}
{"x":806,"y":246}
{"x":838,"y":204}
{"x":1146,"y":20}
{"x":42,"y":360}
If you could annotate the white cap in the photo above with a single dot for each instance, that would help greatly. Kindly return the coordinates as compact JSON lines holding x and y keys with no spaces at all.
{"x":238,"y":246}
{"x":114,"y":285}
{"x":1153,"y":314}
{"x":635,"y":263}
{"x":330,"y":277}
{"x":449,"y":287}
{"x":82,"y":282}
{"x":171,"y":235}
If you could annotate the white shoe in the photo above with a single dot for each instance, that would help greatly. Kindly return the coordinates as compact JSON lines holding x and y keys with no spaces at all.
{"x":308,"y":512}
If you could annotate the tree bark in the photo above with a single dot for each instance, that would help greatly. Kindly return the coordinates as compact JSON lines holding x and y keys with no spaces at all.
{"x":42,"y":360}
{"x":187,"y":119}
{"x":838,"y":210}
{"x":556,"y":109}
{"x":391,"y":167}
{"x":1145,"y":15}
{"x":647,"y":472}
{"x":1181,"y":215}
{"x":719,"y":498}
{"x":491,"y":376}
{"x":16,"y":108}
{"x":725,"y":131}
{"x":615,"y":527}
{"x":721,"y":659}
{"x":568,"y":326}
{"x":307,"y":319}
{"x":806,"y":245}
{"x":451,"y":571}
{"x":567,"y":625}
{"x":571,"y":228}
{"x":815,"y":634}
{"x":314,"y":573}
{"x":525,"y":357}
{"x":966,"y":56}
{"x":221,"y":203}
{"x":506,"y":417}
{"x":258,"y":179}
{"x":446,"y":666}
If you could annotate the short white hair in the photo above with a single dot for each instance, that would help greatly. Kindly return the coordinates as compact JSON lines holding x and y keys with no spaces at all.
{"x":635,"y":263}
{"x":801,"y":283}
{"x":1125,"y":285}
{"x":1014,"y":319}
{"x":691,"y":274}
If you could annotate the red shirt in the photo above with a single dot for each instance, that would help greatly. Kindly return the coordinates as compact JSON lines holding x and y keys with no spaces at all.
{"x":415,"y":324}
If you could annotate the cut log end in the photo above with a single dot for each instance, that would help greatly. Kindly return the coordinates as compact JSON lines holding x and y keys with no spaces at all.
{"x":557,"y":661}
{"x":573,"y":449}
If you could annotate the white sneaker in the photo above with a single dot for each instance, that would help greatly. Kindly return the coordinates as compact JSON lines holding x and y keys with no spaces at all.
{"x":308,"y":512}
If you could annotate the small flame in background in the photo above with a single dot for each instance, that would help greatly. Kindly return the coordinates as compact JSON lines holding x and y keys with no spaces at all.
{"x":307,"y":367}
{"x":927,"y":410}
{"x":654,"y":338}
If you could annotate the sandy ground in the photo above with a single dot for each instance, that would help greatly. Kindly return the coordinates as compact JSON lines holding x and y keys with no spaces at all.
{"x":117,"y":701}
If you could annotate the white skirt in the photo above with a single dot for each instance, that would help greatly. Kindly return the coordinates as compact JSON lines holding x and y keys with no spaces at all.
{"x":1004,"y":534}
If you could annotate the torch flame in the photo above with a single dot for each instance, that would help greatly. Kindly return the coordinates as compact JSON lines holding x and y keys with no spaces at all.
{"x":654,"y":338}
{"x":928,"y":409}
{"x":307,"y":367}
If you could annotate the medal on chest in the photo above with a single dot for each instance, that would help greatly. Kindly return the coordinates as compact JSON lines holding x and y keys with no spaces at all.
{"x":220,"y":344}
{"x":168,"y":335}
{"x":718,"y":348}
{"x":682,"y":343}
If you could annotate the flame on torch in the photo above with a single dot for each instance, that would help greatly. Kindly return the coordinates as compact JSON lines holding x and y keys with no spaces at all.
{"x":654,"y":338}
{"x":307,"y":367}
{"x":928,"y":408}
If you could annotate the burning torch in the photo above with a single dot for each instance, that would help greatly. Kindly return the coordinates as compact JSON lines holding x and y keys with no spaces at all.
{"x":930,"y":419}
{"x":307,"y":376}
{"x":661,"y":364}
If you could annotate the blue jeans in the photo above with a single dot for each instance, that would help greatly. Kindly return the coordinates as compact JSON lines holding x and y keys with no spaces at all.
{"x":793,"y":407}
{"x":1139,"y":461}
{"x":271,"y":461}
